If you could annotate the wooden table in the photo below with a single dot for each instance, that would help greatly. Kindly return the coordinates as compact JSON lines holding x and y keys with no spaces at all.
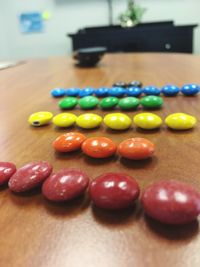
{"x":37,"y":233}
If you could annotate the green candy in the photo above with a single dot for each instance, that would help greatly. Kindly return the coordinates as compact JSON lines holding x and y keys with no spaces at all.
{"x":88,"y":102}
{"x":151,"y":101}
{"x":129,"y":103}
{"x":109,"y":102}
{"x":68,"y":102}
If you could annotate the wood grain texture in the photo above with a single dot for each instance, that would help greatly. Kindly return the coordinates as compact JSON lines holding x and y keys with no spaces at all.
{"x":35,"y":232}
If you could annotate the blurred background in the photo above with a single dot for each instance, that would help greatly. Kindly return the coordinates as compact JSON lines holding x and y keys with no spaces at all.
{"x":20,"y":38}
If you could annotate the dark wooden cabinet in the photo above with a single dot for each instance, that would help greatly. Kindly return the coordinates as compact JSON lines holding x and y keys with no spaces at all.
{"x":153,"y":37}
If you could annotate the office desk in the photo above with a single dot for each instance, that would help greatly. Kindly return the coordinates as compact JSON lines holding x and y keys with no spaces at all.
{"x":37,"y":233}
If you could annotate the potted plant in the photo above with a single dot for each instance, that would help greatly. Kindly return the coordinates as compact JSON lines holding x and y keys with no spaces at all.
{"x":132,"y":16}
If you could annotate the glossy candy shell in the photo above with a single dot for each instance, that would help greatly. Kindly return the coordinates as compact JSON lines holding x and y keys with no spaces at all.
{"x":68,"y":102}
{"x":133,"y":91}
{"x":72,"y":92}
{"x":30,"y":176}
{"x":128,"y":103}
{"x":117,"y":121}
{"x":151,"y":90}
{"x":116,"y":91}
{"x":58,"y":92}
{"x":89,"y":121}
{"x":101,"y":92}
{"x":64,"y":119}
{"x":88,"y":102}
{"x":190,"y":89}
{"x":147,"y":121}
{"x":40,"y":118}
{"x":86,"y":92}
{"x":136,"y":148}
{"x":171,"y":202}
{"x":68,"y":142}
{"x":99,"y":147}
{"x":151,"y":101}
{"x":114,"y":191}
{"x":7,"y":169}
{"x":65,"y":185}
{"x":109,"y":102}
{"x":170,"y":90}
{"x":180,"y":121}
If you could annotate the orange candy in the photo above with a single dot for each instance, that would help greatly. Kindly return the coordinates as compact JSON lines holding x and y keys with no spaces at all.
{"x":99,"y":147}
{"x":136,"y":148}
{"x":68,"y":142}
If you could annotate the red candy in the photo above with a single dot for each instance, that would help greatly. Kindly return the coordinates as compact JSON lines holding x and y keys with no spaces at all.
{"x":99,"y":147}
{"x":65,"y":185}
{"x":136,"y":148}
{"x":114,"y":191}
{"x":171,"y":202}
{"x":7,"y":169}
{"x":30,"y":176}
{"x":68,"y":142}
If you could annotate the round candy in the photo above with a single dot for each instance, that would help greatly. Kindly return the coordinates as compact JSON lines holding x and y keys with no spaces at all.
{"x":180,"y":121}
{"x":68,"y":142}
{"x":72,"y":92}
{"x":86,"y":92}
{"x":128,"y":103}
{"x":171,"y":202}
{"x":147,"y":121}
{"x":88,"y":102}
{"x":7,"y":169}
{"x":68,"y":102}
{"x":58,"y":92}
{"x":120,"y":84}
{"x":30,"y":176}
{"x":65,"y":185}
{"x":151,"y":101}
{"x":133,"y":91}
{"x":89,"y":121}
{"x":116,"y":91}
{"x":109,"y":102}
{"x":101,"y":92}
{"x":151,"y":90}
{"x":170,"y":90}
{"x":99,"y":147}
{"x":114,"y":191}
{"x":136,"y":148}
{"x":135,"y":84}
{"x":40,"y":118}
{"x":190,"y":89}
{"x":64,"y":119}
{"x":117,"y":121}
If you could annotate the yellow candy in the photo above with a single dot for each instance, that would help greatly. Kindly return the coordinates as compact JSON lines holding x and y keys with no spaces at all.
{"x":40,"y":118}
{"x":89,"y":120}
{"x":147,"y":121}
{"x":180,"y":121}
{"x":117,"y":121}
{"x":64,"y":119}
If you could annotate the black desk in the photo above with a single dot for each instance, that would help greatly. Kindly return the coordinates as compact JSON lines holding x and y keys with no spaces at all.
{"x":146,"y":37}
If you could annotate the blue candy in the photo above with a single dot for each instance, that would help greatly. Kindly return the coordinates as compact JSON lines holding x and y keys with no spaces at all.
{"x":134,"y":91}
{"x":86,"y":92}
{"x":72,"y":92}
{"x":190,"y":89}
{"x":151,"y":90}
{"x":58,"y":92}
{"x":101,"y":92}
{"x":170,"y":90}
{"x":116,"y":91}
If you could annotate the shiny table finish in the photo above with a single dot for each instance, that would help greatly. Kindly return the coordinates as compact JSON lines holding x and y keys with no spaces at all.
{"x":35,"y":232}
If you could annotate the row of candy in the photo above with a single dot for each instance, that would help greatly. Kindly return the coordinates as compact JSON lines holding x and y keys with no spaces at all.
{"x":115,"y":121}
{"x":168,"y":201}
{"x":127,"y":103}
{"x":103,"y":147}
{"x":119,"y":91}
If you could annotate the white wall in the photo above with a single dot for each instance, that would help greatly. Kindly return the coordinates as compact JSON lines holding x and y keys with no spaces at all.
{"x":70,"y":15}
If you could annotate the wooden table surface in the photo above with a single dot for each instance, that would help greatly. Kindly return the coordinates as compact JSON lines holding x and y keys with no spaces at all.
{"x":37,"y":233}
